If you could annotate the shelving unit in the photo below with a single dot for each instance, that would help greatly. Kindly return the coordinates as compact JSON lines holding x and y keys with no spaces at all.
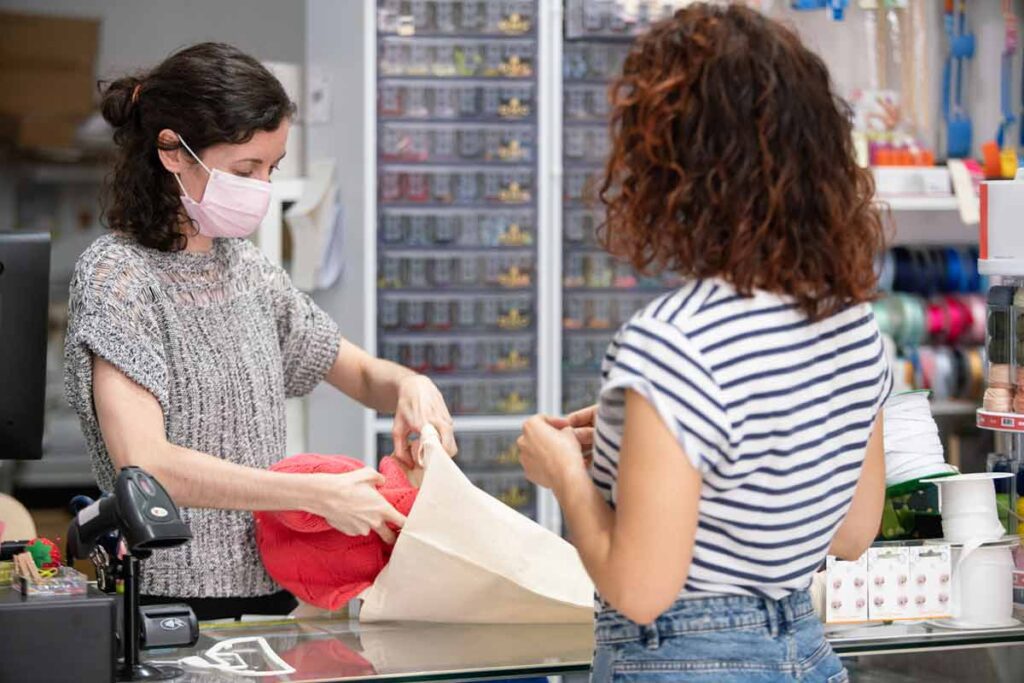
{"x":457,"y":225}
{"x":598,"y":294}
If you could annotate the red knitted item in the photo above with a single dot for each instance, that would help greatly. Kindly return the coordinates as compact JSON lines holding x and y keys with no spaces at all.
{"x":310,"y":558}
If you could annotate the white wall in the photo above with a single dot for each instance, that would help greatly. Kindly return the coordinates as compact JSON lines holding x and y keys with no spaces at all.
{"x":336,"y":40}
{"x":139,"y":33}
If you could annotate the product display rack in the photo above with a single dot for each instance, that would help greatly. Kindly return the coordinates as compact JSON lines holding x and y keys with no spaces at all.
{"x":599,"y":294}
{"x":1002,"y":410}
{"x":458,"y":220}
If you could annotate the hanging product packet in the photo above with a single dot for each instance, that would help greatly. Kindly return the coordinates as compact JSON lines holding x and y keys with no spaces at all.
{"x":465,"y":557}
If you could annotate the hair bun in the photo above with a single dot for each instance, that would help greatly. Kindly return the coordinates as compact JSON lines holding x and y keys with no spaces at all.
{"x":119,"y":100}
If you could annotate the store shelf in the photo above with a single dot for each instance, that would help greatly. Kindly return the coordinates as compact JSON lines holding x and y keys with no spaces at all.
{"x":392,"y":79}
{"x":1000,"y":422}
{"x":457,"y":35}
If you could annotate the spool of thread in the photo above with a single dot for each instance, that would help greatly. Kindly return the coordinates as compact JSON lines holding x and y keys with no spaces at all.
{"x":999,"y":376}
{"x":968,"y":506}
{"x":998,"y":400}
{"x":1018,"y":402}
{"x":983,"y":586}
{"x":1000,"y":300}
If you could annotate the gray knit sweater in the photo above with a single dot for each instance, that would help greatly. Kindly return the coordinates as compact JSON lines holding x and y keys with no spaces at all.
{"x":220,"y":339}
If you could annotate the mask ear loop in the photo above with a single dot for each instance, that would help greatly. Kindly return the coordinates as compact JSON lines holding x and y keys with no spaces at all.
{"x":194,"y":156}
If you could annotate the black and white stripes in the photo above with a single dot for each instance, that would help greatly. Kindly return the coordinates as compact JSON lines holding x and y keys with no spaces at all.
{"x":772,"y":409}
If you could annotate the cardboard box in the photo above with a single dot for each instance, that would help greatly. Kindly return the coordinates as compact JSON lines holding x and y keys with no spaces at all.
{"x":47,"y":76}
{"x":37,"y":92}
{"x":47,"y":132}
{"x":48,"y":42}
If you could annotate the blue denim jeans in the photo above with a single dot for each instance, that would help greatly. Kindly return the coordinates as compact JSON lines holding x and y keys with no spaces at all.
{"x":724,"y":639}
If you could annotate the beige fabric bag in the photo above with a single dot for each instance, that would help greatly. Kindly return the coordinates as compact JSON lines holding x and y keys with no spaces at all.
{"x":465,"y":557}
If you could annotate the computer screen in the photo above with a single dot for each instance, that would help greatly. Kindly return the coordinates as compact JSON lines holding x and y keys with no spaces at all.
{"x":24,"y":305}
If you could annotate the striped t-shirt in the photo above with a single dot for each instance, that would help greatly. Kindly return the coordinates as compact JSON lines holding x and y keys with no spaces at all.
{"x":772,"y":409}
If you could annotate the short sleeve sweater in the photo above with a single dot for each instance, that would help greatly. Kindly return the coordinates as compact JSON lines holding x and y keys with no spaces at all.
{"x":773,"y":409}
{"x":221,"y":339}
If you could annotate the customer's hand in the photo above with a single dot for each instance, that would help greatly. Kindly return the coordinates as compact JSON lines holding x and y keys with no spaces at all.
{"x":582,"y":423}
{"x":352,"y":504}
{"x":551,"y":457}
{"x":420,"y":403}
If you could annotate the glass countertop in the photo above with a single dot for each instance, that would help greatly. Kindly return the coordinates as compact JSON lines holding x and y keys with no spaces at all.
{"x":311,"y":650}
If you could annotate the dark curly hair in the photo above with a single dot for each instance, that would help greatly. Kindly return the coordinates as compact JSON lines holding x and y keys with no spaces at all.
{"x":732,"y":157}
{"x":209,"y":93}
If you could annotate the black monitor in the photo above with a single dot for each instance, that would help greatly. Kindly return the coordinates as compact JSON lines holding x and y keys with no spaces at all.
{"x":24,"y":306}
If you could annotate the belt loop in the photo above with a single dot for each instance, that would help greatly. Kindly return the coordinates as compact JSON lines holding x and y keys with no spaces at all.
{"x":649,"y":634}
{"x":788,"y":614}
{"x":771,"y":608}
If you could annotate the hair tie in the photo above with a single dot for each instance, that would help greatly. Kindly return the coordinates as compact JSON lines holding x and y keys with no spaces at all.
{"x":135,"y":93}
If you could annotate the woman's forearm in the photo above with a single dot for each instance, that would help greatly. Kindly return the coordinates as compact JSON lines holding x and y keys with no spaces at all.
{"x":591,"y":525}
{"x":371,"y":381}
{"x":195,"y":479}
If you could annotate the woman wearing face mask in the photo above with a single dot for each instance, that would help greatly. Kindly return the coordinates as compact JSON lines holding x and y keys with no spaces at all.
{"x":184,"y":341}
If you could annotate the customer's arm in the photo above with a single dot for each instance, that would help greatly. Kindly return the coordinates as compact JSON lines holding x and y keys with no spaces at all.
{"x":860,"y":527}
{"x":390,"y":388}
{"x":626,"y":552}
{"x":132,"y":423}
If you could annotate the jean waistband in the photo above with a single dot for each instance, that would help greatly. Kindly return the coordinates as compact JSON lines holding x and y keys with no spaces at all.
{"x":717,"y":613}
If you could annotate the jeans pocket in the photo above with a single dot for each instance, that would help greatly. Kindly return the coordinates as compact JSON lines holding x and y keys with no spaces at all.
{"x":841,"y":677}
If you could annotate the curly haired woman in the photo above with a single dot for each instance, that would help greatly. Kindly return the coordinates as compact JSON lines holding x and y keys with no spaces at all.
{"x":737,"y":436}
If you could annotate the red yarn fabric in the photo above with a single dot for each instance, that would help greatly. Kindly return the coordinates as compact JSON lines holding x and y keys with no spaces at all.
{"x":310,"y":558}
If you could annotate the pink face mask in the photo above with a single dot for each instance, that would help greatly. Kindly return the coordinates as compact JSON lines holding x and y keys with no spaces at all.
{"x":231,"y":206}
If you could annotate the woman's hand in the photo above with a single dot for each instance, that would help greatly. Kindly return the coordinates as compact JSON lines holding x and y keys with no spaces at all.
{"x":420,"y":403}
{"x":551,"y":456}
{"x":582,"y":423}
{"x":352,"y":504}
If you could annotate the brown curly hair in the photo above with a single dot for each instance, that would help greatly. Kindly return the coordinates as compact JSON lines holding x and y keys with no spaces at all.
{"x":732,"y":157}
{"x":209,"y":93}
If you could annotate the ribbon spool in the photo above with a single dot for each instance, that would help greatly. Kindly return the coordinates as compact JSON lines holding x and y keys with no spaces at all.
{"x":912,"y":312}
{"x":945,"y":381}
{"x":912,"y":446}
{"x":958,"y":316}
{"x":982,"y":585}
{"x":979,"y":312}
{"x":936,"y":321}
{"x":968,"y":506}
{"x":926,"y":364}
{"x":955,"y":280}
{"x":889,"y":316}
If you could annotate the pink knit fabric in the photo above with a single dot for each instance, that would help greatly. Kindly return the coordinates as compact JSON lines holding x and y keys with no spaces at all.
{"x":310,"y":558}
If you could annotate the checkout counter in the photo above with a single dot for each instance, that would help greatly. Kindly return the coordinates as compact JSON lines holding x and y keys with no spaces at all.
{"x":341,"y":650}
